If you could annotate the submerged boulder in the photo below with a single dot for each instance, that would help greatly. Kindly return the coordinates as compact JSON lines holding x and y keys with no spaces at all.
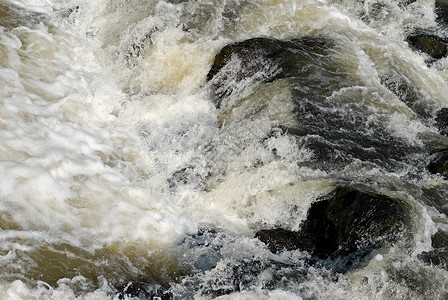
{"x":316,"y":98}
{"x":441,"y":9}
{"x":442,"y":121}
{"x":432,"y":45}
{"x":260,"y":60}
{"x":140,"y":290}
{"x":439,"y":164}
{"x":439,"y":255}
{"x":407,"y":92}
{"x":345,"y":226}
{"x":439,"y":161}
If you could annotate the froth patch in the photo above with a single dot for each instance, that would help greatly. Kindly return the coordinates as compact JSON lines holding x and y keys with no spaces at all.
{"x":261,"y":197}
{"x":174,"y":65}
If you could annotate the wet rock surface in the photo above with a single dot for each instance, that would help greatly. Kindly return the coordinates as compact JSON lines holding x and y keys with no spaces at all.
{"x":263,"y":60}
{"x":434,"y":46}
{"x":344,"y":229}
{"x":436,"y":197}
{"x":439,"y":160}
{"x":234,"y":272}
{"x":340,"y":234}
{"x":441,"y":9}
{"x":442,"y":121}
{"x":140,"y":290}
{"x":238,"y":276}
{"x":325,"y":100}
{"x":439,"y":255}
{"x":403,"y":88}
{"x":346,"y":226}
{"x":340,"y":133}
{"x":439,"y":164}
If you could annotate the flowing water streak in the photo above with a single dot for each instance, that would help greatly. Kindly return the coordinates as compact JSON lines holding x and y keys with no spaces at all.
{"x":102,"y":102}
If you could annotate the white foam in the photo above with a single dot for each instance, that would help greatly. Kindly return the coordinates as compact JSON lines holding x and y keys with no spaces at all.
{"x":88,"y":141}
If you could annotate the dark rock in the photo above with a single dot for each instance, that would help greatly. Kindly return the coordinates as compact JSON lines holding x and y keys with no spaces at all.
{"x":176,"y":1}
{"x":142,"y":291}
{"x":345,"y":226}
{"x":263,"y":60}
{"x":442,"y":121}
{"x":329,"y":119}
{"x":441,"y":9}
{"x":404,"y":3}
{"x":338,"y":133}
{"x":236,"y":278}
{"x":234,"y":272}
{"x":67,"y":12}
{"x":180,"y":177}
{"x":317,"y":236}
{"x":439,"y":255}
{"x":432,"y":45}
{"x":134,"y":49}
{"x":187,"y":175}
{"x":440,"y":240}
{"x":244,"y":274}
{"x":435,"y":196}
{"x":404,"y":89}
{"x":439,"y":164}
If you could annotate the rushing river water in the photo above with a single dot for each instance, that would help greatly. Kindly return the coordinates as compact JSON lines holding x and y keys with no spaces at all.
{"x":118,"y":166}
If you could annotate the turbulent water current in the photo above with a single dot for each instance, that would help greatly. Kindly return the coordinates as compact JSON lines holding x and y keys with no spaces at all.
{"x":119,"y":166}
